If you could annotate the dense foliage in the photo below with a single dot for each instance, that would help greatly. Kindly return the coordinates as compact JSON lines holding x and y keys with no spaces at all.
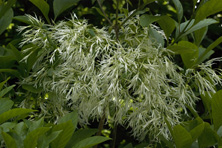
{"x":137,"y":70}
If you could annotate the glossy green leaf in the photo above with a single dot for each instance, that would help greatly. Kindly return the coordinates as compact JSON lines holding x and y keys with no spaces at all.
{"x":64,"y":137}
{"x":179,"y":9}
{"x":9,"y":141}
{"x":5,"y":20}
{"x":91,"y":141}
{"x":32,"y":137}
{"x":5,"y":104}
{"x":182,"y":137}
{"x":189,"y":59}
{"x":199,"y":35}
{"x":60,"y":6}
{"x":6,"y":90}
{"x":217,"y":109}
{"x":207,"y":9}
{"x":43,"y":7}
{"x":208,"y":137}
{"x":206,"y":53}
{"x":80,"y":135}
{"x":13,"y":113}
{"x":199,"y":25}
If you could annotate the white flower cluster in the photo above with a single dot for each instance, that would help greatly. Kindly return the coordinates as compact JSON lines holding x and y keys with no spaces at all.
{"x":133,"y":81}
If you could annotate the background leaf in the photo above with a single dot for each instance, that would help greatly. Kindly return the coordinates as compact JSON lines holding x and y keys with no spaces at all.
{"x":5,"y":104}
{"x":208,"y":8}
{"x":32,"y":138}
{"x":13,"y":113}
{"x":5,"y":20}
{"x":91,"y":141}
{"x":43,"y":7}
{"x":217,"y":109}
{"x":182,"y":137}
{"x":9,"y":141}
{"x":60,"y":6}
{"x":179,"y":8}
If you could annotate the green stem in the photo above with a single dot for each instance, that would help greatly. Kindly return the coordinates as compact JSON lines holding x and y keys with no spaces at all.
{"x":113,"y":143}
{"x":100,"y":127}
{"x":116,"y":23}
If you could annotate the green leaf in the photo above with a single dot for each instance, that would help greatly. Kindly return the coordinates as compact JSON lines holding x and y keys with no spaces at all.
{"x":182,"y":137}
{"x":6,"y":7}
{"x":199,"y":35}
{"x":167,"y":24}
{"x":5,"y":20}
{"x":31,"y":88}
{"x":158,"y":38}
{"x":208,"y":137}
{"x":60,"y":6}
{"x":32,"y":138}
{"x":202,"y":56}
{"x":91,"y":141}
{"x":44,"y":140}
{"x":2,"y":83}
{"x":179,"y":9}
{"x":196,"y":132}
{"x":182,"y":47}
{"x":199,"y":25}
{"x":64,"y":137}
{"x":13,"y":113}
{"x":6,"y":90}
{"x":43,"y":7}
{"x":7,"y":126}
{"x":217,"y":109}
{"x":206,"y":53}
{"x":207,"y":9}
{"x":80,"y":135}
{"x":22,"y":18}
{"x":189,"y":59}
{"x":9,"y":141}
{"x":146,"y":20}
{"x":206,"y":99}
{"x":21,"y":129}
{"x":11,"y":71}
{"x":73,"y":116}
{"x":32,"y":125}
{"x":5,"y":104}
{"x":15,"y":52}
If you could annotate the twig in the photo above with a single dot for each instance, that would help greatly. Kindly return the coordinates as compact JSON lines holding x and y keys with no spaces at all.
{"x":100,"y":6}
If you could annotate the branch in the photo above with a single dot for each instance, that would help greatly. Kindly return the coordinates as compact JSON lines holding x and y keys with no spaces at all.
{"x":100,"y":6}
